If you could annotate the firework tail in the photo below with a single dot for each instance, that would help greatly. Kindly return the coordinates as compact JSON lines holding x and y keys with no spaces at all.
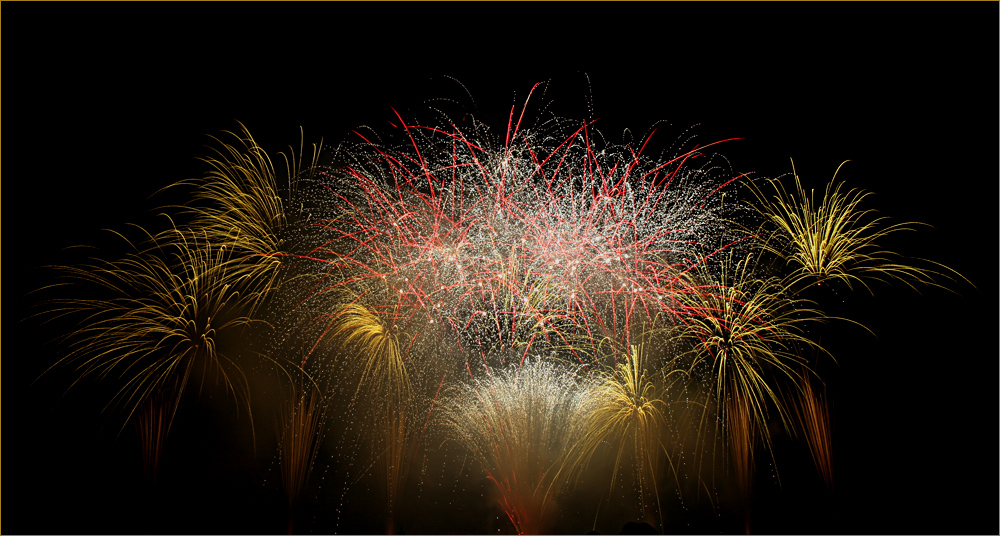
{"x":811,"y":411}
{"x":153,"y":421}
{"x":151,"y":426}
{"x":301,"y":422}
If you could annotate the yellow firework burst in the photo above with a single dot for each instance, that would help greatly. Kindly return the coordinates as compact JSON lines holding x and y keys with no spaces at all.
{"x":159,"y":316}
{"x":385,"y":384}
{"x":834,"y":239}
{"x":746,"y":332}
{"x":628,"y":412}
{"x":240,"y":204}
{"x":381,"y":363}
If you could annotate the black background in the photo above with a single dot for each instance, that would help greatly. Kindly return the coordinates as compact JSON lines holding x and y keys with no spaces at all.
{"x":107,"y":103}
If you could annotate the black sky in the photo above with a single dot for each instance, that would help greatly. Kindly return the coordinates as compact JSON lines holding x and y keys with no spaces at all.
{"x":108,"y":102}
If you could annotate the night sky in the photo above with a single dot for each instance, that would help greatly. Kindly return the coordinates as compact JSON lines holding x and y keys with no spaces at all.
{"x":108,"y":103}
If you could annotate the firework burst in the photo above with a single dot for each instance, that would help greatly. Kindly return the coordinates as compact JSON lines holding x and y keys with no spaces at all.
{"x":540,"y":240}
{"x":240,"y":204}
{"x":834,"y":239}
{"x":481,"y":253}
{"x":746,"y":333}
{"x":519,"y":423}
{"x":386,"y":383}
{"x":629,"y":412}
{"x":160,"y":315}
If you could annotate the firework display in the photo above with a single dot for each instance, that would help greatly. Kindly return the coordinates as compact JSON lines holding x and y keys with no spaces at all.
{"x":556,"y":313}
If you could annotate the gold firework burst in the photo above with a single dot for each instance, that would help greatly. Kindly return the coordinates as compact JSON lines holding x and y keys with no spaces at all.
{"x":239,"y":203}
{"x":834,"y":239}
{"x":628,"y":412}
{"x":385,"y":384}
{"x":747,"y":332}
{"x":159,"y":315}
